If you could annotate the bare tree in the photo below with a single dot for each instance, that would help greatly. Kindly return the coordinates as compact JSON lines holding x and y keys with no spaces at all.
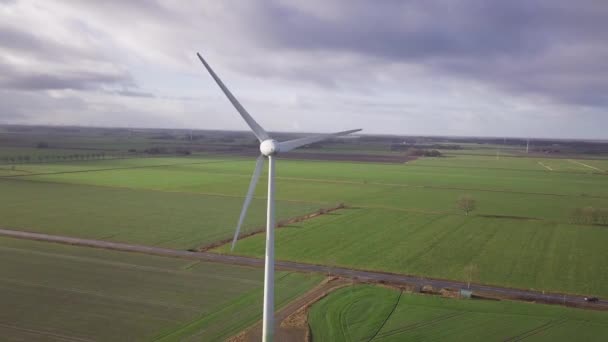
{"x":466,"y":203}
{"x":470,"y":272}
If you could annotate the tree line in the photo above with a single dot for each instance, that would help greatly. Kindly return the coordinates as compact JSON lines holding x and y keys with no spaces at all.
{"x":47,"y":158}
{"x":590,"y":215}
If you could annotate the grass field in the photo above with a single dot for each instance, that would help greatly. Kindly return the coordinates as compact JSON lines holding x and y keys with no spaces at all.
{"x":516,"y":253}
{"x":405,"y":221}
{"x":369,"y":313}
{"x":168,"y":219}
{"x":416,"y":186}
{"x":58,"y":292}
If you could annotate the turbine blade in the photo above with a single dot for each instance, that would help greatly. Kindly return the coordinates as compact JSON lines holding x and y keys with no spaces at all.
{"x":254,"y":180}
{"x":259,"y":132}
{"x":289,"y":145}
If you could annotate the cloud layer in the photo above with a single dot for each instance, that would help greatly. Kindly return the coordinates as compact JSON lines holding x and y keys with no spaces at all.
{"x":516,"y":68}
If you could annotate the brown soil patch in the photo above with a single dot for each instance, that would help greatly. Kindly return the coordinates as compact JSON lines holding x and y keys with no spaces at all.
{"x":238,"y":338}
{"x":291,"y":322}
{"x":279,"y":224}
{"x":449,"y":293}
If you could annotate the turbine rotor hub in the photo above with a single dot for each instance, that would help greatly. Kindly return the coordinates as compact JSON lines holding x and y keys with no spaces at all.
{"x":269,"y":147}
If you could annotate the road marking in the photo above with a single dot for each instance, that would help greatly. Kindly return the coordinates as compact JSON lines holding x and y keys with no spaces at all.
{"x":589,"y":166}
{"x":545,"y":166}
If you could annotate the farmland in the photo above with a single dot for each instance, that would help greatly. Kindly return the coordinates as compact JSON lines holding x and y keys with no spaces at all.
{"x":515,"y":253}
{"x":59,"y":292}
{"x":519,"y":235}
{"x":372,"y":313}
{"x":415,"y":186}
{"x":400,"y":218}
{"x":168,"y":219}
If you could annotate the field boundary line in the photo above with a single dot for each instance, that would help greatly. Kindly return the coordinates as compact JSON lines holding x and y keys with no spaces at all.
{"x":46,"y":333}
{"x":358,"y":274}
{"x":216,"y":194}
{"x":583,"y":164}
{"x":496,"y":168}
{"x":99,"y":295}
{"x":295,"y":307}
{"x":315,"y":180}
{"x":545,"y":166}
{"x":110,"y":169}
{"x":421,"y":324}
{"x":388,"y":316}
{"x":278,"y":225}
{"x":538,"y":329}
{"x":434,"y":187}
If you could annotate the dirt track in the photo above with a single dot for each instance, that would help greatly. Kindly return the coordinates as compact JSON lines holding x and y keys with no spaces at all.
{"x":286,"y":332}
{"x":361,"y":275}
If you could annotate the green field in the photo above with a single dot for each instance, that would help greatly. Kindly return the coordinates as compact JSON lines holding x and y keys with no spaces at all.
{"x":403,"y":219}
{"x":56,"y":292}
{"x":415,"y":186}
{"x":369,"y":313}
{"x":160,"y":218}
{"x":400,"y":218}
{"x":516,"y":253}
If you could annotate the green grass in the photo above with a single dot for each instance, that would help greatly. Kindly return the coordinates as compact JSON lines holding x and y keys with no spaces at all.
{"x":69,"y":167}
{"x":407,"y":221}
{"x":50,"y":291}
{"x":354,"y":313}
{"x":33,"y":153}
{"x":168,"y":219}
{"x":518,"y":253}
{"x":421,"y":187}
{"x":369,"y":313}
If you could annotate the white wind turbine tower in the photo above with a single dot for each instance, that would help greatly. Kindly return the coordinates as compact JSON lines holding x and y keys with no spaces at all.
{"x":269,"y":148}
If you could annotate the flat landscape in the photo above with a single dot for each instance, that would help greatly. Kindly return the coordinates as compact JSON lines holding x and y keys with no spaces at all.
{"x":370,"y":313}
{"x":303,"y":171}
{"x":521,"y":233}
{"x":525,"y":230}
{"x":540,"y":255}
{"x":56,"y":292}
{"x":181,"y":220}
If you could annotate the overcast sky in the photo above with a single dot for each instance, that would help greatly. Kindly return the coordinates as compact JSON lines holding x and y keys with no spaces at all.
{"x":513,"y":68}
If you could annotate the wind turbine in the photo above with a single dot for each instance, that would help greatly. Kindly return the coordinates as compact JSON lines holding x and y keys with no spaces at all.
{"x":269,"y":148}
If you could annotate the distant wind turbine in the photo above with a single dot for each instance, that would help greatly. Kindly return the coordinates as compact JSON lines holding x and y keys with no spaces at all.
{"x":269,"y":148}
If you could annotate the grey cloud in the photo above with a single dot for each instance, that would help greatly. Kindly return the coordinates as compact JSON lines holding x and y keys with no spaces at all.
{"x":348,"y":56}
{"x":18,"y":39}
{"x":133,"y":93}
{"x":518,"y":45}
{"x":55,"y":66}
{"x":76,"y":80}
{"x":29,"y":44}
{"x":20,"y":107}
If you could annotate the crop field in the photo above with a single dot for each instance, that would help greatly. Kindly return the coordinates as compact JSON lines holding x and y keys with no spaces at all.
{"x":520,"y":233}
{"x":515,"y":253}
{"x":369,"y":313}
{"x":168,"y":219}
{"x":107,"y":164}
{"x":518,"y":163}
{"x":60,"y":292}
{"x":415,"y":186}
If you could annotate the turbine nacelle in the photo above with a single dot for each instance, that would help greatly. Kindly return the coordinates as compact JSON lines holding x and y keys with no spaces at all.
{"x":269,"y":147}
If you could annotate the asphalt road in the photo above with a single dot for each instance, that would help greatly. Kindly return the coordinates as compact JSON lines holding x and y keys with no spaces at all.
{"x":302,"y":267}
